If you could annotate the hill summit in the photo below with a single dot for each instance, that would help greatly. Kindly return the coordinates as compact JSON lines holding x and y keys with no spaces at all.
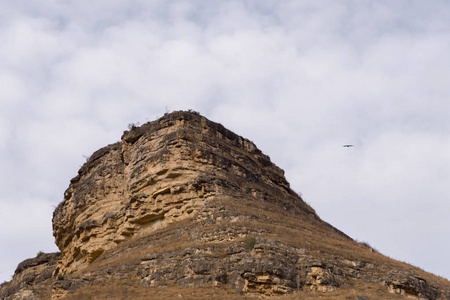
{"x":183,"y":207}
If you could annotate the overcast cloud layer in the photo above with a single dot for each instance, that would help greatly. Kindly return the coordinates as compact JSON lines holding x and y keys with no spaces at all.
{"x":299,"y":78}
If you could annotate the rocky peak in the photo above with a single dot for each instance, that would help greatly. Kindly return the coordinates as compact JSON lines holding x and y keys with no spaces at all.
{"x":161,"y":172}
{"x":182,"y":202}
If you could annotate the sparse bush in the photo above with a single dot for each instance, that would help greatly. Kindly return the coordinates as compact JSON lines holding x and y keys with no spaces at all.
{"x":167,"y":111}
{"x":249,"y":242}
{"x":193,"y":112}
{"x":132,"y":126}
{"x":60,"y":277}
{"x":366,"y":244}
{"x":39,"y":253}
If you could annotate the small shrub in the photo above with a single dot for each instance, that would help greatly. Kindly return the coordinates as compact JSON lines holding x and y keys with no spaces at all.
{"x":249,"y":242}
{"x":193,"y":112}
{"x":60,"y":277}
{"x":39,"y":253}
{"x":132,"y":126}
{"x":366,"y":244}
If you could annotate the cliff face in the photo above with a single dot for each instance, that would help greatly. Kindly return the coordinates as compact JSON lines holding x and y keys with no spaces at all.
{"x":160,"y":173}
{"x":182,"y":202}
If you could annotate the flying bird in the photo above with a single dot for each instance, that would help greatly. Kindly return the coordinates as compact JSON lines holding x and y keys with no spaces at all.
{"x":348,"y":146}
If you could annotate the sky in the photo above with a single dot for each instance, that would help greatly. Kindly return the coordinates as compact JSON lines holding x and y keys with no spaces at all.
{"x":298,"y":78}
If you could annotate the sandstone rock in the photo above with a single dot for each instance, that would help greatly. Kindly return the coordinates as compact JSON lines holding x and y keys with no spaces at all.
{"x":160,"y":173}
{"x":403,"y":283}
{"x":28,"y":275}
{"x":183,"y":203}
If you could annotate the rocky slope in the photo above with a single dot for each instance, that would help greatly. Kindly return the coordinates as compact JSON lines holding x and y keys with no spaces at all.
{"x":182,"y":202}
{"x":31,"y":278}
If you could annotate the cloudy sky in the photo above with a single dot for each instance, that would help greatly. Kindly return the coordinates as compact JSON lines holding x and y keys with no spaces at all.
{"x":299,"y":78}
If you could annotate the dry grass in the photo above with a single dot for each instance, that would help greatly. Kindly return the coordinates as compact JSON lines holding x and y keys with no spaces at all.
{"x":320,"y":241}
{"x":370,"y":291}
{"x":131,"y":290}
{"x":129,"y":252}
{"x":294,"y":230}
{"x":125,"y":291}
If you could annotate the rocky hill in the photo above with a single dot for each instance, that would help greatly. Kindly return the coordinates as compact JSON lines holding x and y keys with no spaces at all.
{"x":182,"y":207}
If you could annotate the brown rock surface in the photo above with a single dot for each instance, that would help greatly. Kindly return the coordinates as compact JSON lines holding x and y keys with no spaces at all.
{"x":182,"y":202}
{"x":31,"y":278}
{"x":160,"y":173}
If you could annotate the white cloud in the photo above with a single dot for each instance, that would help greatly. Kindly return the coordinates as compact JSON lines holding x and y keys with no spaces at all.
{"x":24,"y":222}
{"x":299,"y":78}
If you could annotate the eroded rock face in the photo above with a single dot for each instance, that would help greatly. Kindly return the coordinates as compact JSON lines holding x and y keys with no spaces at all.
{"x":29,"y":275}
{"x":159,"y":173}
{"x":248,"y":270}
{"x":411,"y":285}
{"x":182,"y":202}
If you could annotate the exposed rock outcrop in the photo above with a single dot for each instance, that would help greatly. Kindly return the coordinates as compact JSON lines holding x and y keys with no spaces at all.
{"x":31,"y":277}
{"x":160,"y":173}
{"x":182,"y":202}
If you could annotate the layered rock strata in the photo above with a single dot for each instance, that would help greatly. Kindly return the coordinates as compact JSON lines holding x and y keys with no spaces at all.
{"x":31,"y":278}
{"x":182,"y":202}
{"x":159,"y":173}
